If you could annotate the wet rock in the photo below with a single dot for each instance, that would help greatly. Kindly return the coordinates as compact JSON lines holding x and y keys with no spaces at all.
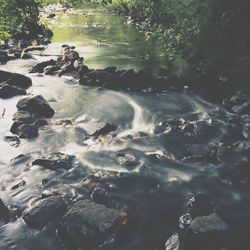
{"x":12,"y":140}
{"x":3,"y":56}
{"x":205,"y":232}
{"x":207,"y":224}
{"x":43,"y":211}
{"x":87,"y":225}
{"x":19,"y":159}
{"x":28,"y":131}
{"x":4,"y":212}
{"x":242,"y":109}
{"x":200,"y":204}
{"x":36,"y":105}
{"x":185,"y":221}
{"x":98,"y":128}
{"x":17,"y":80}
{"x":51,"y":69}
{"x":23,"y":116}
{"x":39,"y":68}
{"x":7,"y":91}
{"x":15,"y":126}
{"x":34,"y":47}
{"x":238,"y":174}
{"x":56,"y":161}
{"x":51,"y":15}
{"x":18,"y":185}
{"x":173,"y":243}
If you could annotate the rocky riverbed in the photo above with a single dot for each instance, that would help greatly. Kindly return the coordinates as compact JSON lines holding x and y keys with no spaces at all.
{"x":111,"y":158}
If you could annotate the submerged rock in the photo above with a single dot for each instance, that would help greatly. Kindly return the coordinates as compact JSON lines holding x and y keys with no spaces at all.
{"x":208,"y":224}
{"x":36,"y":105}
{"x":98,"y":128}
{"x":88,"y":225}
{"x":56,"y":161}
{"x":43,"y":211}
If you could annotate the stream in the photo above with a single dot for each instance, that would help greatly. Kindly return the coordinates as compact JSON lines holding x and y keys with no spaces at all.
{"x":145,"y":163}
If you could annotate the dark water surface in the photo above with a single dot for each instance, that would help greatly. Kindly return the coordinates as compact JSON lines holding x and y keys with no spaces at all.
{"x":152,"y":190}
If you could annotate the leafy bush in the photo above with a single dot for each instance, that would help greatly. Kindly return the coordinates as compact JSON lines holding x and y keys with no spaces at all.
{"x":18,"y":16}
{"x":215,"y":31}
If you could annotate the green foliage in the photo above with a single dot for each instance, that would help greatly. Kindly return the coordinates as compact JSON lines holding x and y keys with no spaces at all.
{"x":215,"y":31}
{"x":18,"y":16}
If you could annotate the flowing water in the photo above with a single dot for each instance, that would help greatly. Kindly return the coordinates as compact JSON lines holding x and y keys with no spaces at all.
{"x":155,"y":185}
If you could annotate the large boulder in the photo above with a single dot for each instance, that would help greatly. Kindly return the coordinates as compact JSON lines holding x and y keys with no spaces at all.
{"x":87,"y":225}
{"x":17,"y":80}
{"x":36,"y":105}
{"x":56,"y":161}
{"x":43,"y":211}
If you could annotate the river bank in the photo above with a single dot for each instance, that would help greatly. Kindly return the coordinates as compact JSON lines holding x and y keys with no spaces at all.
{"x":119,"y":169}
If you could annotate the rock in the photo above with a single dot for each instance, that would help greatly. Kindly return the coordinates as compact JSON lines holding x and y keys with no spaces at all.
{"x":43,"y":211}
{"x":185,"y":221}
{"x":70,"y":55}
{"x":50,"y":70}
{"x":28,"y":131}
{"x":17,"y":80}
{"x":127,"y":76}
{"x":98,"y":128}
{"x":111,"y":69}
{"x":242,"y":108}
{"x":4,"y":212}
{"x":12,"y":140}
{"x":15,"y":126}
{"x":7,"y":91}
{"x":18,"y":185}
{"x":205,"y":232}
{"x":36,"y":105}
{"x":173,"y":243}
{"x":237,"y":174}
{"x":51,"y":15}
{"x":39,"y":67}
{"x":200,"y":204}
{"x":56,"y":161}
{"x":23,"y":116}
{"x":87,"y":225}
{"x":26,"y":55}
{"x":34,"y":47}
{"x":208,"y":224}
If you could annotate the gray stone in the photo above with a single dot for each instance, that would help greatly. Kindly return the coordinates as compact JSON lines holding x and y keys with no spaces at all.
{"x":87,"y":225}
{"x":98,"y":128}
{"x":208,"y":224}
{"x":7,"y":91}
{"x":28,"y":131}
{"x":43,"y":211}
{"x":17,"y":80}
{"x":36,"y":105}
{"x":23,"y":116}
{"x":56,"y":161}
